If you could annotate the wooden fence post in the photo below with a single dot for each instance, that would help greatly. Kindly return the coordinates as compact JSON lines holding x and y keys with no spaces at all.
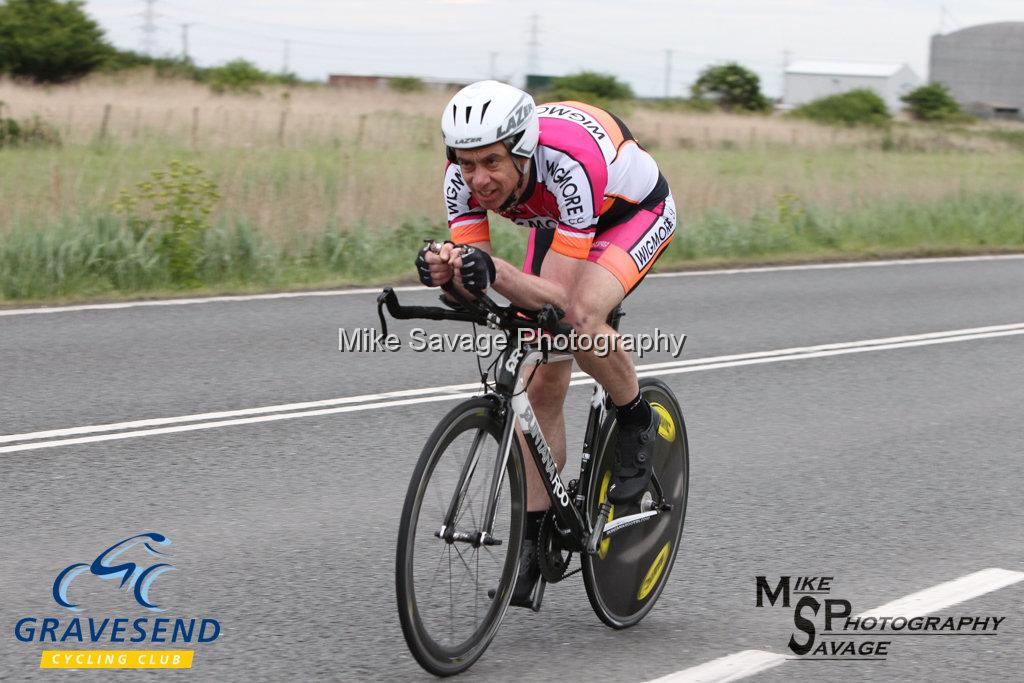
{"x":105,"y":122}
{"x":195,"y":127}
{"x":359,"y":132}
{"x":280,"y":127}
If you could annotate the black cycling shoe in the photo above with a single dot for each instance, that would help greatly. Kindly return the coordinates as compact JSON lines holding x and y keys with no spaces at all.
{"x":633,"y":467}
{"x":529,"y":572}
{"x":526,"y":579}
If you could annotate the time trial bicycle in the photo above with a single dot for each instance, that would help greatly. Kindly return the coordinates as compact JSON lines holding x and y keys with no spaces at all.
{"x":462,"y":524}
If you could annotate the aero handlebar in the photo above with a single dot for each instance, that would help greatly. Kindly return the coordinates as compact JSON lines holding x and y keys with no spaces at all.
{"x":482,"y":311}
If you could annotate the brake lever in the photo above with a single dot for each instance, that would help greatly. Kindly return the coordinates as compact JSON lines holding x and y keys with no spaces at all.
{"x":381,"y":302}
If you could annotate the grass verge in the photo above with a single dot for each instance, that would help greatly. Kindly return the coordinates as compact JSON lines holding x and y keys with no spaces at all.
{"x":100,"y":258}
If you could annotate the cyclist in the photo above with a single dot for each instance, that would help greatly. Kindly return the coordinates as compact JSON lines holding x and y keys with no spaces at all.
{"x":600,"y":213}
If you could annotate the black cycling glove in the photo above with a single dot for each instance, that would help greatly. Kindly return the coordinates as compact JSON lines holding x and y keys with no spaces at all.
{"x":423,"y":268}
{"x":478,"y":271}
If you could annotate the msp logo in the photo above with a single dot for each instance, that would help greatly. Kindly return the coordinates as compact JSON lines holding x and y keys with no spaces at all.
{"x":827,"y":630}
{"x":137,"y":578}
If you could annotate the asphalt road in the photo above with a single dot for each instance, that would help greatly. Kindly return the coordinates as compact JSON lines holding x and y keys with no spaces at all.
{"x":891,"y":470}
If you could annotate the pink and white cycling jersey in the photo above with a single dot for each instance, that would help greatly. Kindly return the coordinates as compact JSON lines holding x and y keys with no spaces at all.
{"x":587,"y":175}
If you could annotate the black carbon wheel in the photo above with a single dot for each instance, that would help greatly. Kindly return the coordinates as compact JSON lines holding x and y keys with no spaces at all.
{"x":628,"y":573}
{"x":442,"y":585}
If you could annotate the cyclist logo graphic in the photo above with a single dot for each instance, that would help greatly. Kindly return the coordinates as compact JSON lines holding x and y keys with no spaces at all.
{"x":137,"y":578}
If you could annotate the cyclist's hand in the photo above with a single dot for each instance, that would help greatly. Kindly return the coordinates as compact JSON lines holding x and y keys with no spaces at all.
{"x":474,"y":269}
{"x":435,"y":269}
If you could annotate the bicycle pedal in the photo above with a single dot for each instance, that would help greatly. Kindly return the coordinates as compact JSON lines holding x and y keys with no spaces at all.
{"x":538,"y":595}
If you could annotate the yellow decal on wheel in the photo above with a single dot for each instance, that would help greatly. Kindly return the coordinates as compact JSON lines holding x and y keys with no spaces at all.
{"x":602,"y":549}
{"x":667,"y":428}
{"x":654,"y":573}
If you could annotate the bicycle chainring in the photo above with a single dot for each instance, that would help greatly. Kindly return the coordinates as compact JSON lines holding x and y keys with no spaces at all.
{"x":552,"y":556}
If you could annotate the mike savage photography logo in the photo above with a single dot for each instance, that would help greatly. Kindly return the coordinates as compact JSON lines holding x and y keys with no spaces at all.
{"x":135,"y":578}
{"x":368,"y":339}
{"x":826,"y":628}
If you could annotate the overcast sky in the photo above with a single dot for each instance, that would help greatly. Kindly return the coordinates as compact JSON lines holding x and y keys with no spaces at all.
{"x":461,"y":39}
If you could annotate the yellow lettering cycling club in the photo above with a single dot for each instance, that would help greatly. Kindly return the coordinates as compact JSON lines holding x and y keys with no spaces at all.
{"x":116,"y":659}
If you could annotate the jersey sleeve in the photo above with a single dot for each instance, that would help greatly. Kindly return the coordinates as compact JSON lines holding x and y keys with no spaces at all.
{"x":467,"y":221}
{"x":578,"y":193}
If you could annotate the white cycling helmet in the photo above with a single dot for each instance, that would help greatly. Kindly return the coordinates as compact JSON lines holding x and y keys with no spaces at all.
{"x":486,"y":112}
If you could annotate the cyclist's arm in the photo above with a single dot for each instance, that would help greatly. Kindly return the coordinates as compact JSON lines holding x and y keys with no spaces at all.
{"x":530,"y":291}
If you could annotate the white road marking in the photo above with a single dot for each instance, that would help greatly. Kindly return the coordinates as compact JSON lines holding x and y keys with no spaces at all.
{"x":416,"y":288}
{"x":844,"y":264}
{"x":749,"y":662}
{"x":156,"y":426}
{"x":947,"y":594}
{"x":729,"y":668}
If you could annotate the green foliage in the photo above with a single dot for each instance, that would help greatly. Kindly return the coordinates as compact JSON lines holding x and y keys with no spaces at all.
{"x":164,"y":67}
{"x":406,"y":84}
{"x":173,"y":209}
{"x":861,"y":106}
{"x":682,"y":104}
{"x":602,"y":90}
{"x":732,"y":87}
{"x":33,"y":132}
{"x":933,"y":102}
{"x":1014,"y":138}
{"x":237,"y":76}
{"x":49,"y":41}
{"x":956,"y":224}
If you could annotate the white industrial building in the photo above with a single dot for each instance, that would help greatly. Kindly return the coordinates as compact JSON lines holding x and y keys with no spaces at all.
{"x":806,"y":81}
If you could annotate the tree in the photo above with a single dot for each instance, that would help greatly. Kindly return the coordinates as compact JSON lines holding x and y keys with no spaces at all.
{"x":49,"y":41}
{"x":589,"y":86}
{"x":933,"y":103}
{"x":731,"y":86}
{"x":850,"y":108}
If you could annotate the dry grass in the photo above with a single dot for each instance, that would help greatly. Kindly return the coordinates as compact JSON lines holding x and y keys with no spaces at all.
{"x":345,"y":157}
{"x":145,"y":108}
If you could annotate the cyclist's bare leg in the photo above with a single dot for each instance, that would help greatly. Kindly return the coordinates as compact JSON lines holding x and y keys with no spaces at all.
{"x":597,"y":292}
{"x":546,"y":391}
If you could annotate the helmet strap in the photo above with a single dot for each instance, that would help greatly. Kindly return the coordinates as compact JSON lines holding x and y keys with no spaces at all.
{"x":517,"y":191}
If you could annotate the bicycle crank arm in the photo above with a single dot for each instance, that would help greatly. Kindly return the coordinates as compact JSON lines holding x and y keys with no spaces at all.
{"x":596,"y":534}
{"x":618,"y":525}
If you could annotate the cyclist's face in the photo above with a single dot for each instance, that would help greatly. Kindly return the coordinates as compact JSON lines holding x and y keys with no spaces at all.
{"x":490,"y":172}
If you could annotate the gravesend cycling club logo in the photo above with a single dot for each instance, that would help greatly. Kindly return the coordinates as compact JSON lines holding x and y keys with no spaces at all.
{"x":863,"y":637}
{"x":131,"y":566}
{"x":137,"y":577}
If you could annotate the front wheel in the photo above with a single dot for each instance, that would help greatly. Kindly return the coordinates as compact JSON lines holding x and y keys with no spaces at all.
{"x":628,"y":573}
{"x":443,"y":574}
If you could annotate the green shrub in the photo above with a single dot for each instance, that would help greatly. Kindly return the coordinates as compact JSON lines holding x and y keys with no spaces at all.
{"x":406,"y":84}
{"x":933,"y":102}
{"x":237,"y":76}
{"x":30,"y":132}
{"x":850,"y":108}
{"x":172,"y":211}
{"x":732,"y":87}
{"x":601,"y":90}
{"x":49,"y":41}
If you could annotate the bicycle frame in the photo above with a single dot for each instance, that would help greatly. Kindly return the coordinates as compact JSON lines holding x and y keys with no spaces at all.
{"x":511,"y":397}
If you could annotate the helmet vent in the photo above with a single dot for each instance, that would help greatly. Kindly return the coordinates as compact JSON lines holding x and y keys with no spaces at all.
{"x":468,"y":110}
{"x":484,"y":112}
{"x":455,"y":110}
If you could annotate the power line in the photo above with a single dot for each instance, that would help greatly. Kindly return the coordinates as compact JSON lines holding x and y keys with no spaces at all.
{"x":184,"y":40}
{"x":668,"y":72}
{"x":314,"y":29}
{"x":533,"y":45}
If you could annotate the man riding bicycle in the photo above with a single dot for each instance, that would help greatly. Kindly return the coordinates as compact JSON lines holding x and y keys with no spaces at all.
{"x":600,"y":214}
